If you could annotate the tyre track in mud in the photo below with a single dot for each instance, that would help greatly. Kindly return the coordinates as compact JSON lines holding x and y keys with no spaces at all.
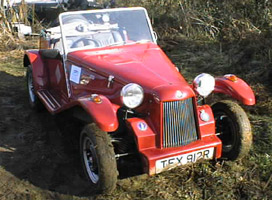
{"x":39,"y":155}
{"x":33,"y":150}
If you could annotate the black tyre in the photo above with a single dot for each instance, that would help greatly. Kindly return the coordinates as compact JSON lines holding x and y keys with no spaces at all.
{"x":98,"y":159}
{"x":234,"y":129}
{"x":34,"y":101}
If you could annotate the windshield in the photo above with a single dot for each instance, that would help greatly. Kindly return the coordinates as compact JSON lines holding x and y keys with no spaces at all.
{"x":102,"y":28}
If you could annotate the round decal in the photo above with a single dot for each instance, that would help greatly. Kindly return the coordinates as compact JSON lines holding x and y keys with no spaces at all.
{"x":179,"y":94}
{"x":204,"y":116}
{"x":142,"y":126}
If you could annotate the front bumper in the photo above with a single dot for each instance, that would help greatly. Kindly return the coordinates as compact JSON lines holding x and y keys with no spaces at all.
{"x":146,"y":141}
{"x":153,"y":155}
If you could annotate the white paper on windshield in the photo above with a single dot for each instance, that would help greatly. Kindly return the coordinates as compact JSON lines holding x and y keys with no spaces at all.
{"x":75,"y":74}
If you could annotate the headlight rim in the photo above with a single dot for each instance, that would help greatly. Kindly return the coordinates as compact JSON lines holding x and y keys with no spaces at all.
{"x":197,"y":81}
{"x":123,"y":91}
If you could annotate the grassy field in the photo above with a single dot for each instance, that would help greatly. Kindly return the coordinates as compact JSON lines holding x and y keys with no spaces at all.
{"x":39,"y":160}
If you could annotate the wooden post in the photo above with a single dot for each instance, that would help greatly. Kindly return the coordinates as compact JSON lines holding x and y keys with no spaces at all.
{"x":33,"y":16}
{"x":6,"y":21}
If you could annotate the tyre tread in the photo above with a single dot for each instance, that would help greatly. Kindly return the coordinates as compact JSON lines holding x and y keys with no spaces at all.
{"x":240,"y":117}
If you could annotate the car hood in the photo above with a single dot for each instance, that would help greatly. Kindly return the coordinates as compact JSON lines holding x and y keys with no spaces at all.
{"x":144,"y":64}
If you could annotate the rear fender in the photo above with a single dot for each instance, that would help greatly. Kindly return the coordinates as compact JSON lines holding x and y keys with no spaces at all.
{"x":33,"y":58}
{"x":239,"y":90}
{"x":103,"y":114}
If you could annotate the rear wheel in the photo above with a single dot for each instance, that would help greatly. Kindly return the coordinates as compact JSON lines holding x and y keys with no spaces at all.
{"x":233,"y":128}
{"x":98,"y":159}
{"x":32,"y":97}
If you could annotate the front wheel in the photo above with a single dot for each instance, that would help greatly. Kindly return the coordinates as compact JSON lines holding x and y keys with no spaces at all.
{"x":34,"y":101}
{"x":233,"y":128}
{"x":98,"y":159}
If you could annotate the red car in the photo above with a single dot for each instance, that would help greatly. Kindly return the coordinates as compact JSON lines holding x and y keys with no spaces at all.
{"x":106,"y":67}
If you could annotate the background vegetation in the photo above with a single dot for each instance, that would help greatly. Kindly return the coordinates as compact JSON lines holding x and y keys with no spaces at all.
{"x":212,"y":36}
{"x":216,"y":19}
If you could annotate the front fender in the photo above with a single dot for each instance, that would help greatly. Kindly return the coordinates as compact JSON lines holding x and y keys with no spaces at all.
{"x":103,"y":114}
{"x":239,"y":90}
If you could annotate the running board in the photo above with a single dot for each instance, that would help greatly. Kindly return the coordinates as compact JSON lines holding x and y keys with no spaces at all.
{"x":49,"y":100}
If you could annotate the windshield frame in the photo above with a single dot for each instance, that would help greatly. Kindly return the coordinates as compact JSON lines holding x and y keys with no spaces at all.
{"x":63,"y":34}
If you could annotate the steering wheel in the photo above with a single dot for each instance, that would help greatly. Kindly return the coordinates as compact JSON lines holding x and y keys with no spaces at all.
{"x":81,"y":42}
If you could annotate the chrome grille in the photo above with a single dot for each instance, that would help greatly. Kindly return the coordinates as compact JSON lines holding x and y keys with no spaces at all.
{"x":179,"y":126}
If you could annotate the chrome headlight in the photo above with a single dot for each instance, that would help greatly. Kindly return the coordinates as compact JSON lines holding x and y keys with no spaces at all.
{"x":132,"y":95}
{"x":204,"y":84}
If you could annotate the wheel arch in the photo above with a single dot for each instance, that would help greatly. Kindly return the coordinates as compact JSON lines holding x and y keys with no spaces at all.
{"x":26,"y":61}
{"x":238,"y":89}
{"x":103,"y":114}
{"x":33,"y":58}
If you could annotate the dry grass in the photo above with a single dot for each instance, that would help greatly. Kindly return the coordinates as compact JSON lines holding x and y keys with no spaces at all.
{"x":9,"y":39}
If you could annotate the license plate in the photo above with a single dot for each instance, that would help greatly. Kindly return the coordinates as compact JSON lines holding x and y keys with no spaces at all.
{"x":171,"y":162}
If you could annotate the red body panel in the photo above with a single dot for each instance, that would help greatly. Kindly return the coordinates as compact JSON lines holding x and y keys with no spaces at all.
{"x":56,"y":78}
{"x":239,"y":90}
{"x":145,"y":64}
{"x":156,"y":154}
{"x":40,"y":75}
{"x":206,"y":128}
{"x":49,"y":82}
{"x":152,"y":152}
{"x":103,"y":114}
{"x":144,"y":139}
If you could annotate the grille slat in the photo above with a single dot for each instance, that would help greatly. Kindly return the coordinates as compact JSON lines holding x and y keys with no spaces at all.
{"x":179,"y":126}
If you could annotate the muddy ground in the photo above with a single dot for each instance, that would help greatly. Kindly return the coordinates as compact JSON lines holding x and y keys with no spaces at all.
{"x":39,"y":156}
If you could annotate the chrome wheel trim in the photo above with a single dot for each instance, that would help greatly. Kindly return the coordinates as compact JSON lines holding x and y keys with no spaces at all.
{"x":90,"y":160}
{"x":228,"y":137}
{"x":30,"y":87}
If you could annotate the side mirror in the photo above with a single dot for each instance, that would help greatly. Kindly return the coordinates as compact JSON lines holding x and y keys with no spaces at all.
{"x":50,"y":54}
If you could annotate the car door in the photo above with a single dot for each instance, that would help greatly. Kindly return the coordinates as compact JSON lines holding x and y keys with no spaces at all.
{"x":56,"y":78}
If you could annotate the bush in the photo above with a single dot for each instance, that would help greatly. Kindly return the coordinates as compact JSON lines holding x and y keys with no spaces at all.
{"x":222,"y":20}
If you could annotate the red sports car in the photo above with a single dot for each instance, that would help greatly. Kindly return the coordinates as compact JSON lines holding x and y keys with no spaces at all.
{"x":105,"y":66}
